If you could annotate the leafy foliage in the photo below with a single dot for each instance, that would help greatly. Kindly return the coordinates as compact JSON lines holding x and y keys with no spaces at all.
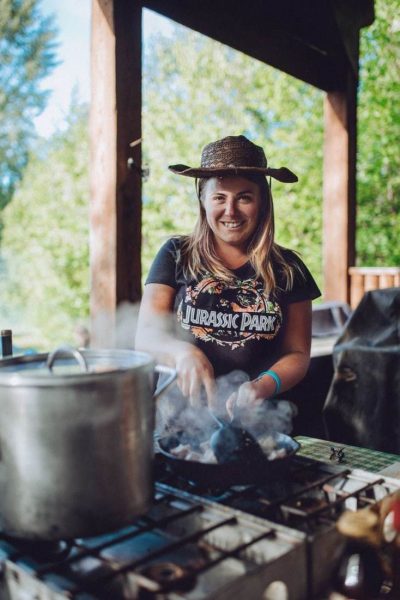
{"x":27,"y":51}
{"x":378,"y":177}
{"x":45,"y":248}
{"x":195,"y":91}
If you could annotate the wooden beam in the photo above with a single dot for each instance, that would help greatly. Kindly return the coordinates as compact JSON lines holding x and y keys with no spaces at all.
{"x":128,"y":54}
{"x":115,"y":189}
{"x":339,"y":190}
{"x":265,"y":32}
{"x":103,"y":172}
{"x":351,"y":16}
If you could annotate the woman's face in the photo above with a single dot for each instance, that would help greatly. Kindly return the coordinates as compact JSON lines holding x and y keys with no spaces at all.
{"x":232,"y":206}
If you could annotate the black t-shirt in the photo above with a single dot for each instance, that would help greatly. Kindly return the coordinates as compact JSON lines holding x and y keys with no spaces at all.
{"x":237,"y":325}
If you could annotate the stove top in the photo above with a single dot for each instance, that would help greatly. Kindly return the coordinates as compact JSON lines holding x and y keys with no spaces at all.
{"x":276,"y":540}
{"x":309,"y":499}
{"x":185,"y":547}
{"x":311,"y":494}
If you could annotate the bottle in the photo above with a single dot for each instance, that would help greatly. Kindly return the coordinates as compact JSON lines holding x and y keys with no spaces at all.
{"x":6,"y":343}
{"x":360,"y":574}
{"x":391,"y":534}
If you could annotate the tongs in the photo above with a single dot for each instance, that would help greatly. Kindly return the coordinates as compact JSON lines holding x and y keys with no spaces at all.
{"x":232,"y":443}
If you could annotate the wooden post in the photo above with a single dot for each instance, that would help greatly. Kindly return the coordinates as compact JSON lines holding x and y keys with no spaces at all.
{"x":339,"y":189}
{"x":115,"y":188}
{"x":356,"y":288}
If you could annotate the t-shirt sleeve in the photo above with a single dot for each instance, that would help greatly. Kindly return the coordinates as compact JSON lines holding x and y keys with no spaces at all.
{"x":163,"y":268}
{"x":304,"y":285}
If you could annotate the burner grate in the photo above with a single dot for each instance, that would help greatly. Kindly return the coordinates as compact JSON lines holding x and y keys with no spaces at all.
{"x":177,"y":544}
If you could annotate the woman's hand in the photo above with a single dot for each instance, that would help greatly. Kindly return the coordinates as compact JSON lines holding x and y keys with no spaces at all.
{"x":195,"y":372}
{"x":247,"y":396}
{"x":290,"y":367}
{"x":155,"y":335}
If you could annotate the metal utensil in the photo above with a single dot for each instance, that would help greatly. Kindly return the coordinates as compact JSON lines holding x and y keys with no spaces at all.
{"x":231,"y":442}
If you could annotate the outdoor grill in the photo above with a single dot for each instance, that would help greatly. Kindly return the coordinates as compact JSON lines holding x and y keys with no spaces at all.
{"x":277,"y":540}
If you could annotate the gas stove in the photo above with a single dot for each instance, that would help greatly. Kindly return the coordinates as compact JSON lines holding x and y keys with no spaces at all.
{"x":277,"y":540}
{"x":185,"y":547}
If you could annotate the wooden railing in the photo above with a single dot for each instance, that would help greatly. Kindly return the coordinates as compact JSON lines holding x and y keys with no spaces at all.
{"x":364,"y":279}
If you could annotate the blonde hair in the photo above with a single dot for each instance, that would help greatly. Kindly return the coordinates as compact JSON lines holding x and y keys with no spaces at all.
{"x":198,"y":254}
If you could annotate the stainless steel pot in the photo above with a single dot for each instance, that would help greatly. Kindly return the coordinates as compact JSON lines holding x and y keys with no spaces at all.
{"x":76,"y":441}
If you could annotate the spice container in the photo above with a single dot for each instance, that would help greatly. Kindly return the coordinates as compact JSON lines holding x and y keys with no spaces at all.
{"x":6,"y":343}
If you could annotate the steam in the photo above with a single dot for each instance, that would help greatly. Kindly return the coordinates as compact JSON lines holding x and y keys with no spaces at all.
{"x":111,"y":330}
{"x":273,"y":416}
{"x":174,"y":412}
{"x":126,"y":325}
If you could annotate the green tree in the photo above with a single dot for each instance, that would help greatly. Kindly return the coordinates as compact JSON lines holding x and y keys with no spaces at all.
{"x":27,"y":50}
{"x":196,"y":90}
{"x":45,"y":247}
{"x":378,"y":179}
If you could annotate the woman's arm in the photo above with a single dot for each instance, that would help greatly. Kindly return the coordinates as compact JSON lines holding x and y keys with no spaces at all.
{"x":155,"y":334}
{"x":291,"y":367}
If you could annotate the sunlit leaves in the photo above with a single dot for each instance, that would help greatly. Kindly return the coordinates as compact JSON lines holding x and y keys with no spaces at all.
{"x":27,"y":51}
{"x":378,"y":179}
{"x":45,"y":247}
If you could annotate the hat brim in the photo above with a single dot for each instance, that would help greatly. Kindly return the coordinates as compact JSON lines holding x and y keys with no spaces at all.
{"x":282,"y":174}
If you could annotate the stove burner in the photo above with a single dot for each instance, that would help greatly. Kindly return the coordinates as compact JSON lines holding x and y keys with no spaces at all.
{"x":50,"y":552}
{"x":309,"y":504}
{"x":170,"y":576}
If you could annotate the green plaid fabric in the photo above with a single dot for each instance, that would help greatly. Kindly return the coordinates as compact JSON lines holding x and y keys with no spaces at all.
{"x":354,"y":457}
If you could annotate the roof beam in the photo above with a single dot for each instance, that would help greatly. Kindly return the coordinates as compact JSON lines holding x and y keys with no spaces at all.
{"x":266,"y":39}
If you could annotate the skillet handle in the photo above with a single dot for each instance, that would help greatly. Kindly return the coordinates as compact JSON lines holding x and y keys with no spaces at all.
{"x":170,"y":379}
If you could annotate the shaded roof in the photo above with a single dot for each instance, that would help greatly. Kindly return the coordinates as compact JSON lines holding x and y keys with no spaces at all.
{"x":313,"y":40}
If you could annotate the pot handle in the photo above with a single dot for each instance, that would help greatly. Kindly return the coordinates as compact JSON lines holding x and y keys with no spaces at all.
{"x":172,"y":376}
{"x":73,"y":352}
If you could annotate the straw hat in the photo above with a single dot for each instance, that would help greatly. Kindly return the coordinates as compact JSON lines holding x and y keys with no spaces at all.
{"x":233,"y":155}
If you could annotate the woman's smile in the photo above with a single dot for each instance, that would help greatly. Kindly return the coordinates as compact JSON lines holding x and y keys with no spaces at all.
{"x":232,"y":224}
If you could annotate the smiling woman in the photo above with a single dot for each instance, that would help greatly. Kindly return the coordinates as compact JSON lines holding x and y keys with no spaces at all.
{"x":239,"y":300}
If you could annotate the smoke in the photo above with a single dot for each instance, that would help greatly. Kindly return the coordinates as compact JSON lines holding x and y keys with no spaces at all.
{"x":272,"y":416}
{"x":112,"y":330}
{"x":174,"y":412}
{"x":126,"y":325}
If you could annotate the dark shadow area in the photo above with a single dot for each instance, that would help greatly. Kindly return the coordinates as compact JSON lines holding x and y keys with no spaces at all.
{"x":363,"y":402}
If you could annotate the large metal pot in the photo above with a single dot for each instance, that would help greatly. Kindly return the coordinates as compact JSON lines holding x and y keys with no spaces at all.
{"x":76,"y":441}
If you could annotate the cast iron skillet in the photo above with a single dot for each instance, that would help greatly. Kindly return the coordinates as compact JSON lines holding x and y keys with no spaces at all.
{"x":219,"y":476}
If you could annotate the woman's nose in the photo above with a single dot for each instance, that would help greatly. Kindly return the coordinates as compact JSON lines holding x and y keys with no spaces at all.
{"x":230,"y":207}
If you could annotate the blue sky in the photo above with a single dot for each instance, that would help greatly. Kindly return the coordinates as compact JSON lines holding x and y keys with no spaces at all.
{"x":72,"y":18}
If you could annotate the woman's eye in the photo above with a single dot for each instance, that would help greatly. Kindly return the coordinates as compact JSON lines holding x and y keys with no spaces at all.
{"x":219,"y":198}
{"x":246,"y":198}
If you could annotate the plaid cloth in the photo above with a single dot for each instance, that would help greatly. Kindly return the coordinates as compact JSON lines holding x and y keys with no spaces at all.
{"x":353,"y":456}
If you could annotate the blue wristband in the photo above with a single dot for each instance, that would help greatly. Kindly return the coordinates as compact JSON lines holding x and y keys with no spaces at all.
{"x":275,"y":377}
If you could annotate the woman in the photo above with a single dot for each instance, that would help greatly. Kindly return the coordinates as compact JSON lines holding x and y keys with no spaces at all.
{"x":239,"y":300}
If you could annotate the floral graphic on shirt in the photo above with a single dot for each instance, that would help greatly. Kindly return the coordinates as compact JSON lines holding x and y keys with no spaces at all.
{"x":229,"y":314}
